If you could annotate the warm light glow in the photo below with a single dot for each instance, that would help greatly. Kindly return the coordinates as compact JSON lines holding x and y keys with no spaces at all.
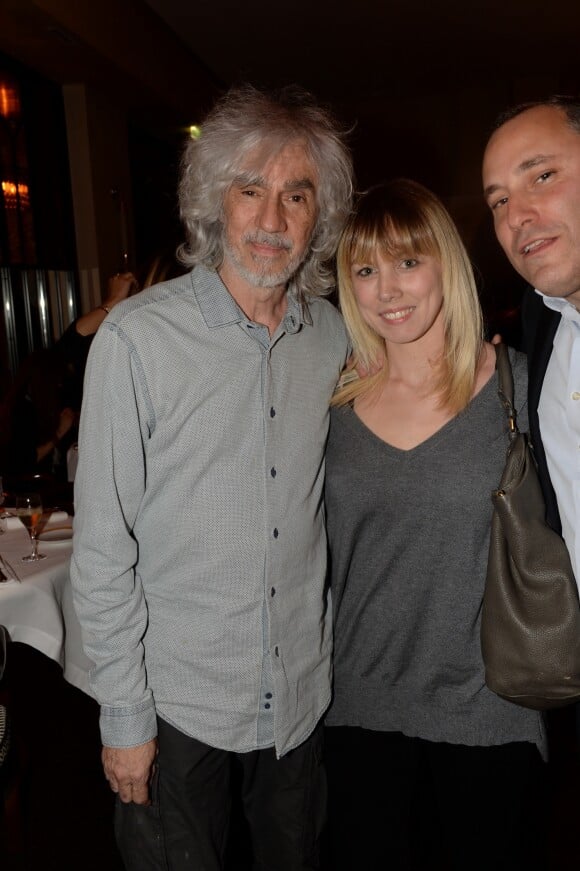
{"x":14,"y":193}
{"x":195,"y":131}
{"x":9,"y":102}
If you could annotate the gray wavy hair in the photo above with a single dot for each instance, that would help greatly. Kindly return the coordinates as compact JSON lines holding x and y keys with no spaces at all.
{"x":247,"y":120}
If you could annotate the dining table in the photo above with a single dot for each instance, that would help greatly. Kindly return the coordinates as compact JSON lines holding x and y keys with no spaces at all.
{"x":36,"y":604}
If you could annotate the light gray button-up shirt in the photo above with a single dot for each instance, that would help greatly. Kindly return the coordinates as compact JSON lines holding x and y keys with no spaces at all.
{"x":199,"y":549}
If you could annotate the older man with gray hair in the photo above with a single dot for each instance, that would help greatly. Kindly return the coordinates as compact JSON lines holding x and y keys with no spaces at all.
{"x":200,"y":552}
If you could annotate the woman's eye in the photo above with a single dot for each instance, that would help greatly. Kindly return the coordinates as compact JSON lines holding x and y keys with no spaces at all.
{"x":409,"y":262}
{"x":364,"y":271}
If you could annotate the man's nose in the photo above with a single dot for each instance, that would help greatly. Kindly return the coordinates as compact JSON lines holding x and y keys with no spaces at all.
{"x":520,"y":211}
{"x":271,"y":215}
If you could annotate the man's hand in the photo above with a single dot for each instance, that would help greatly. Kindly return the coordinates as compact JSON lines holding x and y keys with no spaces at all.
{"x":129,"y":770}
{"x":362,"y":371}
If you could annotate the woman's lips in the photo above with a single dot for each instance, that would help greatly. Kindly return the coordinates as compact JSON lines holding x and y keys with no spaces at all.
{"x":397,"y":314}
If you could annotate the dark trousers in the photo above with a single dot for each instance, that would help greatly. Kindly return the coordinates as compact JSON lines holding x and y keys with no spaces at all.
{"x":481,"y":807}
{"x":186,"y":827}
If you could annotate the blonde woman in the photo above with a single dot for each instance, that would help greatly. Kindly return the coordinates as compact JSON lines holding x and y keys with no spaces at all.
{"x":414,"y":452}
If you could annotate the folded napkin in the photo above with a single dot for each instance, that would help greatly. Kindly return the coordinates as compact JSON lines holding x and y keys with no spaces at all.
{"x":7,"y":574}
{"x":9,"y":521}
{"x":58,"y":517}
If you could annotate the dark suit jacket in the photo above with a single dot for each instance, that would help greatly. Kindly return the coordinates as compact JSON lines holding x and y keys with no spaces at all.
{"x":539,"y":325}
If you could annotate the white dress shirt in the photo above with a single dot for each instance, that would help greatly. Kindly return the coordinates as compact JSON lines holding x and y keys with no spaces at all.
{"x":559,"y":415}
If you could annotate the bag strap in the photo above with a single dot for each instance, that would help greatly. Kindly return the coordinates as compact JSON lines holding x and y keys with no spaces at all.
{"x":506,"y":386}
{"x":4,"y":637}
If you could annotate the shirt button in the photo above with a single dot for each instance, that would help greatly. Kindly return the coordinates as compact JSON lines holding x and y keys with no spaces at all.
{"x":276,"y":651}
{"x":273,"y":472}
{"x":268,"y":695}
{"x":272,"y":412}
{"x":267,"y":706}
{"x":273,"y":591}
{"x":576,"y":395}
{"x":276,"y":533}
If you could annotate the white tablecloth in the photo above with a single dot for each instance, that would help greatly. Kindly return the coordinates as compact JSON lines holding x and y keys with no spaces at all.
{"x":39,"y":610}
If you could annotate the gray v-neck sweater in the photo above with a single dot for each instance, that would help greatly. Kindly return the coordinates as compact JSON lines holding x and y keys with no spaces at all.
{"x":409,"y":537}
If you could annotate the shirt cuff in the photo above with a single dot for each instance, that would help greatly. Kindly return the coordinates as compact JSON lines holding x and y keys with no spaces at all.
{"x":128,"y":726}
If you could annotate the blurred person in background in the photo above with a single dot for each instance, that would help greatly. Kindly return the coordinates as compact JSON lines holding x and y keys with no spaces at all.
{"x":41,"y":407}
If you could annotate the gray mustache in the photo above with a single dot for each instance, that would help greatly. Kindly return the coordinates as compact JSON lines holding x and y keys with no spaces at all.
{"x":267,"y":239}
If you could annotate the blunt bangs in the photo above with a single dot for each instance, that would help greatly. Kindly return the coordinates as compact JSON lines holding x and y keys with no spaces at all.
{"x":390,"y":224}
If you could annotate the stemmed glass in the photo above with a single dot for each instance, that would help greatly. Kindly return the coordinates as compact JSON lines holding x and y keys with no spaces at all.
{"x":29,"y":510}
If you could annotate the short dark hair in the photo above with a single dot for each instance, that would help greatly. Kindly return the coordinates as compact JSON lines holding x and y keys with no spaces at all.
{"x":570,"y":105}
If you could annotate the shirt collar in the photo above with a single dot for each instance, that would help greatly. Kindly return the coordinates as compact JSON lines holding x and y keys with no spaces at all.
{"x":297,"y":313}
{"x":219,"y":308}
{"x":560,"y":305}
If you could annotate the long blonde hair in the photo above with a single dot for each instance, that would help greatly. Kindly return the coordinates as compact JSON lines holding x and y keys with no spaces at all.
{"x":401,"y":218}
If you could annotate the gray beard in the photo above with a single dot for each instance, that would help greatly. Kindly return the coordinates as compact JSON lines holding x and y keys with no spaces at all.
{"x":262,"y":275}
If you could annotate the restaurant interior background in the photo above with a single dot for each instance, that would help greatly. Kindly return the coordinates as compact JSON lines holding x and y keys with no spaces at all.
{"x":96,"y":100}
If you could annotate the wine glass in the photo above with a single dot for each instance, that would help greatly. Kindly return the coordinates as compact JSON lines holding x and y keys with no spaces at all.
{"x":29,"y":510}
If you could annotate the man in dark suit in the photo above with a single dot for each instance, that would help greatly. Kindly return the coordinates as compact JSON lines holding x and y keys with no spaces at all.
{"x":531,"y":177}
